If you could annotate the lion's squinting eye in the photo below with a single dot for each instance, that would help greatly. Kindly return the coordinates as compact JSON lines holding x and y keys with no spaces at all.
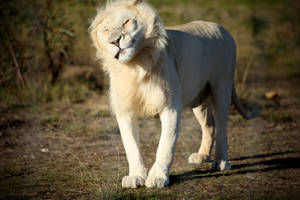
{"x":126,"y":22}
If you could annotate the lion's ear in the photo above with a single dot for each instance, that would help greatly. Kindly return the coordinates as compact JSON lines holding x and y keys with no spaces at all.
{"x":135,"y":2}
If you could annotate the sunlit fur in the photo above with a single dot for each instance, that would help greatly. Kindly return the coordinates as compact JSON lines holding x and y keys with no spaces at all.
{"x":160,"y":71}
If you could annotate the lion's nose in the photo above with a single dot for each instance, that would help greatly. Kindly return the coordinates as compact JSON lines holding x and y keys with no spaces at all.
{"x":116,"y":42}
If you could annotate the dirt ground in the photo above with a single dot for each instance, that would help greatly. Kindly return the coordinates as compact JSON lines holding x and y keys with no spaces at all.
{"x":70,"y":148}
{"x":65,"y":150}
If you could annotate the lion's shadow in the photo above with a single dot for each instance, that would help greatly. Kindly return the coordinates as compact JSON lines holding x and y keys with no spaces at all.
{"x":268,"y":165}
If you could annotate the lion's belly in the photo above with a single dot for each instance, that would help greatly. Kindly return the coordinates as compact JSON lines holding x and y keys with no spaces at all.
{"x":192,"y":86}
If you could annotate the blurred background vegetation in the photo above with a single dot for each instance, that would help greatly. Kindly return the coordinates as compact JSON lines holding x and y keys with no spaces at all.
{"x":46,"y":53}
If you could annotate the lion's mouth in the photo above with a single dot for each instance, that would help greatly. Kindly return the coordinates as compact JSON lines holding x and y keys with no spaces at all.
{"x":118,"y":54}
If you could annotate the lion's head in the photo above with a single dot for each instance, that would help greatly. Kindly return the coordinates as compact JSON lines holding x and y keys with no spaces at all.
{"x":124,"y":28}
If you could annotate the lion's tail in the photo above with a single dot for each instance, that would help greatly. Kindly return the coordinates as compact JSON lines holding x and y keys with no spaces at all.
{"x":236,"y":102}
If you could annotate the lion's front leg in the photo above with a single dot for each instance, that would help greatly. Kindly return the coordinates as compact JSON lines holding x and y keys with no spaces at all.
{"x":130,"y":136}
{"x":159,"y":173}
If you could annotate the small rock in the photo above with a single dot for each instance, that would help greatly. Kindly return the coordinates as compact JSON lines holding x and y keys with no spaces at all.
{"x":44,"y":150}
{"x":271,"y":95}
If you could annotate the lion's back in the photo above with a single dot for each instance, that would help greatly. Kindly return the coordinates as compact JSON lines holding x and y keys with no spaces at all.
{"x":203,"y":29}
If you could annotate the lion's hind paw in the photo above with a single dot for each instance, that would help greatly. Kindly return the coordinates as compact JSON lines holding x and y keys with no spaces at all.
{"x":220,"y":165}
{"x":196,"y":158}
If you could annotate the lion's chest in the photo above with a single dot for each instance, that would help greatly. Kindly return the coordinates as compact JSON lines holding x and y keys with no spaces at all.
{"x":130,"y":94}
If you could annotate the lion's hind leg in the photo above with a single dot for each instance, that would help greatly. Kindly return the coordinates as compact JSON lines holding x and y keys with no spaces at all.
{"x":221,"y":106}
{"x":203,"y":114}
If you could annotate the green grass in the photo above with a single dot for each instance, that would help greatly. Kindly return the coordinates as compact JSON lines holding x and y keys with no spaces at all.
{"x":279,"y":117}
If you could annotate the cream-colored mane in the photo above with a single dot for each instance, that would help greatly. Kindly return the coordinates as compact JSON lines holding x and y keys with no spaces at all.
{"x":142,"y":66}
{"x":155,"y":36}
{"x":154,"y":70}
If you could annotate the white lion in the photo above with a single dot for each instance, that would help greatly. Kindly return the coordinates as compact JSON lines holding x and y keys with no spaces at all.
{"x":154,"y":70}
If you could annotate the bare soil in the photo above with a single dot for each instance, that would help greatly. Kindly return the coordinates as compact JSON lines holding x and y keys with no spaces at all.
{"x":63,"y":150}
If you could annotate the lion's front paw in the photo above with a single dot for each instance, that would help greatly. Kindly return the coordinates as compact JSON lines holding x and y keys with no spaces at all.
{"x":132,"y":181}
{"x":196,"y":158}
{"x":220,"y":165}
{"x":157,"y":178}
{"x":157,"y":181}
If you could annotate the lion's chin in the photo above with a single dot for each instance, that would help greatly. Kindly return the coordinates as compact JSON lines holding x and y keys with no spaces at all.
{"x":124,"y":55}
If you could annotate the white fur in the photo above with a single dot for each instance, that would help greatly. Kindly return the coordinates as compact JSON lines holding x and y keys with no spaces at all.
{"x":160,"y":71}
